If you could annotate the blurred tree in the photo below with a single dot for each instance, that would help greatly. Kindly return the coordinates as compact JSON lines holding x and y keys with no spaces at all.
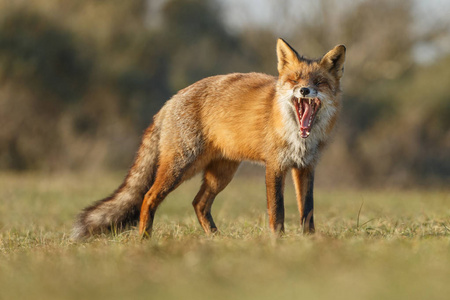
{"x":197,"y":42}
{"x":411,"y":144}
{"x":37,"y":52}
{"x":41,"y":72}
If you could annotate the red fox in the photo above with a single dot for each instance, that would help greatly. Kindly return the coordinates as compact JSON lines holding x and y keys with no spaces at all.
{"x":211,"y":126}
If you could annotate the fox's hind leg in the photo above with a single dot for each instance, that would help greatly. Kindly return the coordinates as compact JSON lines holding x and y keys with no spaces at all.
{"x":171,"y":173}
{"x":216,"y":177}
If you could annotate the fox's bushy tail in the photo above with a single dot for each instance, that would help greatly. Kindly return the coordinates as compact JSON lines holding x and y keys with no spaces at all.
{"x":123,"y":207}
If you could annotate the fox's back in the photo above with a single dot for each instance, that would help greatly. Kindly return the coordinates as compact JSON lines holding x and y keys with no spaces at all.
{"x":234,"y":112}
{"x":227,"y":112}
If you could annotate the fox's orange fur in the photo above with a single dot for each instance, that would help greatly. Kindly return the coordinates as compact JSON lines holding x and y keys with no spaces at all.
{"x":214,"y":124}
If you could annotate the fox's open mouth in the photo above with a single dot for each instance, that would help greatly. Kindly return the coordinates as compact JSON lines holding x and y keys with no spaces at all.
{"x":306,"y":109}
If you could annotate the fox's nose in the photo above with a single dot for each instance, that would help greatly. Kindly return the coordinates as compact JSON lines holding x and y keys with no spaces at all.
{"x":304,"y":91}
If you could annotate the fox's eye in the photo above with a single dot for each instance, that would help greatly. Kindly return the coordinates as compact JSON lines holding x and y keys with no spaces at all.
{"x":293,"y":81}
{"x":321,"y":82}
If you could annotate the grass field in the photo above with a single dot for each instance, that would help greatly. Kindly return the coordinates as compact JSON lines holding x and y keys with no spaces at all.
{"x":397,"y":247}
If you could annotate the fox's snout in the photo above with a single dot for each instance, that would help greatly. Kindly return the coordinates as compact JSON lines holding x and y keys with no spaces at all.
{"x":305,"y":92}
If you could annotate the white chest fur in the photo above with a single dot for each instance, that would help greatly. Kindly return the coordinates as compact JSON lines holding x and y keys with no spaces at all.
{"x":302,"y":152}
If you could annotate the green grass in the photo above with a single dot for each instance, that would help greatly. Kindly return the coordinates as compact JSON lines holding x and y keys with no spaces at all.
{"x":397,"y":247}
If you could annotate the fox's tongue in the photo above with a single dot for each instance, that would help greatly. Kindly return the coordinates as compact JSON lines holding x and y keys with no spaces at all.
{"x":305,"y":121}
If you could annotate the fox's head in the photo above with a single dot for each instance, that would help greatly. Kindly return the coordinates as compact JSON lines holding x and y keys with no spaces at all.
{"x":310,"y":88}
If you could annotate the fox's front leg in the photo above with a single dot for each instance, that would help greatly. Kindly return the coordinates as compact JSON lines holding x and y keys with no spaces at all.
{"x":275,"y":201}
{"x":304,"y":183}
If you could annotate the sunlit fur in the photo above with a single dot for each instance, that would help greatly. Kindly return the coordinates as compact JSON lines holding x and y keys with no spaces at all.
{"x":213,"y":125}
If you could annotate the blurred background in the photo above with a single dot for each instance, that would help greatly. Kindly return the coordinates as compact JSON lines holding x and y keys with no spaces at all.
{"x":80,"y":80}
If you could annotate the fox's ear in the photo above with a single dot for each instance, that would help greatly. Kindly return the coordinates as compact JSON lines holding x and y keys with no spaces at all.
{"x":287,"y":56}
{"x":333,"y":61}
